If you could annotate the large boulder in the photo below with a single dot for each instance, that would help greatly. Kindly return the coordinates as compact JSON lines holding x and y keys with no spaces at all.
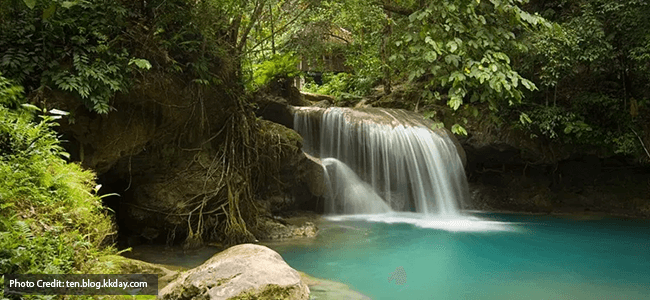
{"x":275,"y":109}
{"x":241,"y":272}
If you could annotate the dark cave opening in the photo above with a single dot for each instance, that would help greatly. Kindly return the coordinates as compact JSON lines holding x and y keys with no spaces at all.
{"x":130,"y":231}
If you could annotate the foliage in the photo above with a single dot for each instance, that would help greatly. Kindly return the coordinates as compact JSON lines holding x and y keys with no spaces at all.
{"x":10,"y":95}
{"x":559,"y":49}
{"x":51,"y":221}
{"x":279,"y":66}
{"x":351,"y":28}
{"x":93,"y":49}
{"x":460,"y":50}
{"x":72,"y":46}
{"x":555,"y":122}
{"x":341,"y":84}
{"x":592,"y":65}
{"x":592,"y":121}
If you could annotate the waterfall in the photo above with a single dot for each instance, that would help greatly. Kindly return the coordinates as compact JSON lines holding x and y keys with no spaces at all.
{"x":383,"y":160}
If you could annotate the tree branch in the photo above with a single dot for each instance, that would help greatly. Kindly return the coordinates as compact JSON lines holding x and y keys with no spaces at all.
{"x":281,"y":29}
{"x":642,"y":144}
{"x":338,"y":37}
{"x":259,"y":7}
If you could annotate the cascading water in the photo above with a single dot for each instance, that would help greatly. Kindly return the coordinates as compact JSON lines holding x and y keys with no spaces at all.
{"x":379,"y":160}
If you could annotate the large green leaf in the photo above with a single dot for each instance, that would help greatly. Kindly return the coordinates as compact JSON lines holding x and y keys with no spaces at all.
{"x":30,"y":3}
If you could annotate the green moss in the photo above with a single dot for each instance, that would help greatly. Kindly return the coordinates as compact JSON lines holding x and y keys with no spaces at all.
{"x":270,"y":292}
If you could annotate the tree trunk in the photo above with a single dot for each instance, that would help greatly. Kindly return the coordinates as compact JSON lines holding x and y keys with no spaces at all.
{"x":272,"y":29}
{"x":385,"y":54}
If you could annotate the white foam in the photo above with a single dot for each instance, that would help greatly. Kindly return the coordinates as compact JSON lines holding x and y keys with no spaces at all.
{"x":453,"y":223}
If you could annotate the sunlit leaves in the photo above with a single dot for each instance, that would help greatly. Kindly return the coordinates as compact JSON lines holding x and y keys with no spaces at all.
{"x":452,"y":45}
{"x":280,"y":66}
{"x":524,"y":119}
{"x":462,"y":48}
{"x":140,"y":63}
{"x":458,"y":129}
{"x":455,"y":102}
{"x":30,"y":3}
{"x":437,"y":125}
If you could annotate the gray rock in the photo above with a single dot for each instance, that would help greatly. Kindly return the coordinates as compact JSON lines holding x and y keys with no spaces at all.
{"x":241,"y":272}
{"x":275,"y":109}
{"x":295,"y":227}
{"x":317,"y":97}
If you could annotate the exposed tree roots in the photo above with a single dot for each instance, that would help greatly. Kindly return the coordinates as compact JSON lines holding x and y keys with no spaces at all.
{"x":227,"y":210}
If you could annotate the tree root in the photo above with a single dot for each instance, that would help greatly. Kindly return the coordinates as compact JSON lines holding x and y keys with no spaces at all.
{"x":642,"y":144}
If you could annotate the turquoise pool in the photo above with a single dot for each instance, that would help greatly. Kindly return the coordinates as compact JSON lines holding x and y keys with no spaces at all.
{"x":409,"y":256}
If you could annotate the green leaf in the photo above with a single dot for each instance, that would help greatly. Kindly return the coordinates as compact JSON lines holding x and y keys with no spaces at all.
{"x":524,"y":119}
{"x":430,"y":56}
{"x":7,"y":205}
{"x":30,"y":106}
{"x":430,"y":114}
{"x":110,"y":195}
{"x":30,"y":3}
{"x":437,"y":125}
{"x":48,"y":12}
{"x":459,"y":130}
{"x":474,"y":112}
{"x":452,"y":46}
{"x":568,"y":128}
{"x":457,"y":77}
{"x":140,"y":63}
{"x":68,"y":4}
{"x":59,"y":112}
{"x":455,"y":102}
{"x":452,"y":60}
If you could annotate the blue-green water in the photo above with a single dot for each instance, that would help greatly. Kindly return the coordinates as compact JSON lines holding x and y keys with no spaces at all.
{"x":516,"y":257}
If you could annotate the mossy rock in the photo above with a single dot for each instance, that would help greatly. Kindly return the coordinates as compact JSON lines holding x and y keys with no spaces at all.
{"x":125,"y":265}
{"x":241,"y":272}
{"x":269,"y":292}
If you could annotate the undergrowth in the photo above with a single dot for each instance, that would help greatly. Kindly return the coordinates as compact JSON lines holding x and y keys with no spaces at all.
{"x":341,"y":85}
{"x":51,"y":220}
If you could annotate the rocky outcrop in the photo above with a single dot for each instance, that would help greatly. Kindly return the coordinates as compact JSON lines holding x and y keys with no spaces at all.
{"x":165,"y":186}
{"x":280,"y":230}
{"x":241,"y":272}
{"x":502,"y":177}
{"x":275,"y":109}
{"x":126,"y":265}
{"x":314,"y":98}
{"x":301,"y":176}
{"x":292,"y":224}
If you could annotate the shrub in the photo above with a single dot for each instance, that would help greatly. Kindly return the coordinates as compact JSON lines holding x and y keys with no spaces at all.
{"x":51,"y":220}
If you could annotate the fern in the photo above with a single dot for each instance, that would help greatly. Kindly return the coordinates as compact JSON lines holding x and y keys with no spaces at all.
{"x":69,"y":50}
{"x":23,"y":229}
{"x":50,"y":220}
{"x":279,"y":66}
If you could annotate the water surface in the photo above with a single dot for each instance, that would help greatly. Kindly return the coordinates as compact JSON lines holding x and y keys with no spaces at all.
{"x":510,"y":257}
